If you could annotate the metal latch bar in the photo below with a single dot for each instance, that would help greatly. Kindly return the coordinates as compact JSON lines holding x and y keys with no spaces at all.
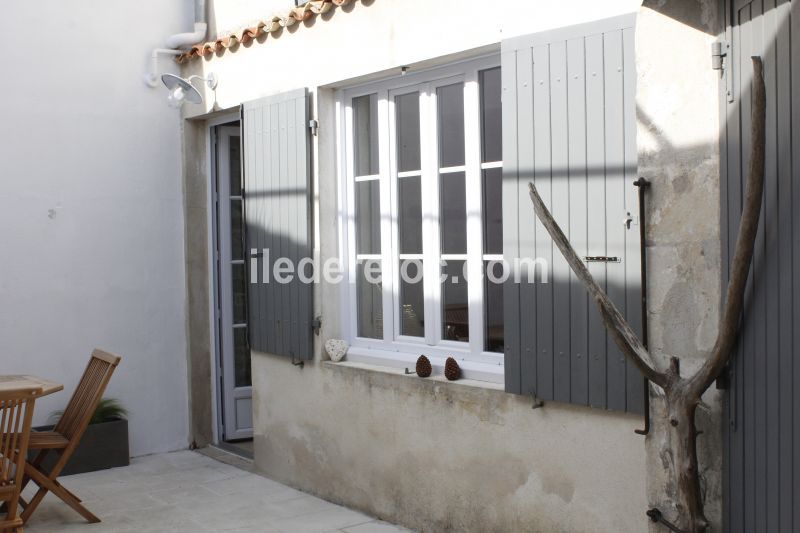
{"x":602,"y":259}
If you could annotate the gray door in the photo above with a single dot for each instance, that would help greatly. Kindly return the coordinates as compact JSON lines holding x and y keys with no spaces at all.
{"x":762,"y":456}
{"x":234,"y":350}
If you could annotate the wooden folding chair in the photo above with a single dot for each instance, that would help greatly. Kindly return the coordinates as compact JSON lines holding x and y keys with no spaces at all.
{"x":16,"y":414}
{"x":67,"y":434}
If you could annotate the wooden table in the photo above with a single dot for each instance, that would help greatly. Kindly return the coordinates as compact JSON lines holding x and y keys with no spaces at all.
{"x":28,"y":382}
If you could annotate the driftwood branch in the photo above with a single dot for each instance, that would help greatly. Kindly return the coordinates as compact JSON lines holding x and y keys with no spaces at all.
{"x":745,"y":242}
{"x":617,"y":326}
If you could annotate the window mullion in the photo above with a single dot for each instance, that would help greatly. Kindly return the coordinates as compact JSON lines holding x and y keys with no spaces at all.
{"x":430,"y":216}
{"x":387,"y":253}
{"x":472,"y":140}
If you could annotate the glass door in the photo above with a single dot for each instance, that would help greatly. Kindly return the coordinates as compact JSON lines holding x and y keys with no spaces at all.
{"x":236,"y":386}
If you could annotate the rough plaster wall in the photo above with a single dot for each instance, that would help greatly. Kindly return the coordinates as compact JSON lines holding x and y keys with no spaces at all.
{"x":438,"y":456}
{"x":91,"y":207}
{"x":196,"y":183}
{"x":678,"y":128}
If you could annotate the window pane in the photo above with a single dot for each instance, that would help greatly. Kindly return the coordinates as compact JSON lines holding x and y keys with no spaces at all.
{"x":369,"y":299}
{"x":450,"y":100}
{"x":455,"y":302}
{"x":408,"y":143}
{"x":368,"y":217}
{"x":493,"y":211}
{"x":365,"y":134}
{"x":239,"y":289}
{"x":491,"y":116}
{"x":412,"y":298}
{"x":410,"y":215}
{"x":493,"y":303}
{"x":237,"y":240}
{"x":453,"y":196}
{"x":235,"y":164}
{"x":241,"y":358}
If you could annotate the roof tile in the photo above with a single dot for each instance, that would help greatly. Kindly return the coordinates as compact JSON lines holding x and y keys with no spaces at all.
{"x":230,"y":42}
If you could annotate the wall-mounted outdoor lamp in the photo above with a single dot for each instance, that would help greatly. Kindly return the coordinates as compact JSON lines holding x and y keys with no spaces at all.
{"x":181,"y":89}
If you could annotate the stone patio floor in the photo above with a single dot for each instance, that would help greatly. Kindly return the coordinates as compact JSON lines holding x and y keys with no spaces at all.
{"x":188,"y":491}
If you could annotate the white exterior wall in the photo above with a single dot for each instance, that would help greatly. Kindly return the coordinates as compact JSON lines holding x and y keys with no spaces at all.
{"x":91,"y":207}
{"x":428,"y":454}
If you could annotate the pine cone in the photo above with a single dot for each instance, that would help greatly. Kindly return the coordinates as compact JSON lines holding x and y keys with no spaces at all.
{"x":451,"y":369}
{"x":424,"y":368}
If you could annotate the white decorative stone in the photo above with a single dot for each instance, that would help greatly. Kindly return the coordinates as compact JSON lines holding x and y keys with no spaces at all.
{"x":336,"y":349}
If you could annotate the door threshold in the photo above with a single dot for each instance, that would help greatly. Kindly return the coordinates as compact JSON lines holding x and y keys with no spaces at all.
{"x":232,"y":448}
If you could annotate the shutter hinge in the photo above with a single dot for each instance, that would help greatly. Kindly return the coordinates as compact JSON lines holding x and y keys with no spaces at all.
{"x":313,"y":125}
{"x":719,"y":51}
{"x":316,"y":324}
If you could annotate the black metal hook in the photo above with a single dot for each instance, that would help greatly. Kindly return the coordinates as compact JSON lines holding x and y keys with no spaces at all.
{"x":643,"y":185}
{"x":656,"y":517}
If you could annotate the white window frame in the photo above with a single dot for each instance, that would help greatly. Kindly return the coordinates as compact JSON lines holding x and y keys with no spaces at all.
{"x":395,"y":349}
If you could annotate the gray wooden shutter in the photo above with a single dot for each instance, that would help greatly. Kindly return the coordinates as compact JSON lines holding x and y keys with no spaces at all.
{"x":569,"y":124}
{"x":277,"y":179}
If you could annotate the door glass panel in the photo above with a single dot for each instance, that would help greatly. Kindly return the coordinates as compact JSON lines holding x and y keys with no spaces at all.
{"x":237,"y":236}
{"x":369,"y":296}
{"x":368,"y":213}
{"x":412,"y":298}
{"x":491,"y":116}
{"x":239,"y":286}
{"x":365,"y":134}
{"x":235,"y":164}
{"x":493,"y":211}
{"x":408,"y":140}
{"x":453,"y":196}
{"x":493,"y":304}
{"x":241,"y":358}
{"x":410,"y":215}
{"x":450,"y":101}
{"x":455,"y":302}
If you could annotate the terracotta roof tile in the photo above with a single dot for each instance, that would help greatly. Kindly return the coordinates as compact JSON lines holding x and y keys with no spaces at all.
{"x":268,"y":25}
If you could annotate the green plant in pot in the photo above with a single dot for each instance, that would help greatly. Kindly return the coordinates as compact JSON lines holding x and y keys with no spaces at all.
{"x":103,"y":445}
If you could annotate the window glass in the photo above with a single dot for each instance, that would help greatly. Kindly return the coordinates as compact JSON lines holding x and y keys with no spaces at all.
{"x":412,"y":298}
{"x":365,"y":134}
{"x":455,"y":308}
{"x":368,"y":217}
{"x":370,"y":299}
{"x":491,"y":115}
{"x":493,"y":211}
{"x":241,"y":358}
{"x":408,"y":140}
{"x":493,"y":305}
{"x":410,"y":215}
{"x":450,"y":103}
{"x":453,"y":213}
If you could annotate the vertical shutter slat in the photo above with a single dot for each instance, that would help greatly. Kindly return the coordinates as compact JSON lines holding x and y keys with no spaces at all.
{"x":511,"y":228}
{"x":277,"y":212}
{"x":596,"y":209}
{"x":615,"y":208}
{"x":578,"y":298}
{"x":527,"y":236}
{"x":544,"y":246}
{"x":559,"y":131}
{"x":571,"y":129}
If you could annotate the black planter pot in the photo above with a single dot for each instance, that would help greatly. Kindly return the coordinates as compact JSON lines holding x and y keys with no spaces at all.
{"x":103,"y":445}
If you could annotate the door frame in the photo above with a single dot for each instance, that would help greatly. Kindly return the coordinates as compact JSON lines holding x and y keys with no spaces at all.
{"x":215,"y":352}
